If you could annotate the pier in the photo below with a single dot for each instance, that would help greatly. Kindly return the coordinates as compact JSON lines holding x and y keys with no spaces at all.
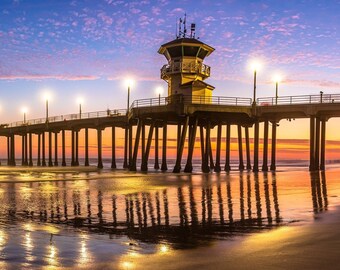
{"x":193,"y":121}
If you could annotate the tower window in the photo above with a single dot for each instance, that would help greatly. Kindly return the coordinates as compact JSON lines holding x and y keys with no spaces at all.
{"x":190,"y":50}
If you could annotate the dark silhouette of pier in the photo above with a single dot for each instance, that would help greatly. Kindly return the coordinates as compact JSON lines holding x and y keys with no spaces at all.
{"x":190,"y":119}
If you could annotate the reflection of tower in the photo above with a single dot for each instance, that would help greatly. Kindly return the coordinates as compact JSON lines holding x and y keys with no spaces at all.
{"x":185,"y":72}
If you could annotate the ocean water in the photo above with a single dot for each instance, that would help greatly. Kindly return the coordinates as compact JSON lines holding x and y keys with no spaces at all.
{"x":71,"y":218}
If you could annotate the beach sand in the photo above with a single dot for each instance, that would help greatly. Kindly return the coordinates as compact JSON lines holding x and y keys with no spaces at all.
{"x":310,"y":246}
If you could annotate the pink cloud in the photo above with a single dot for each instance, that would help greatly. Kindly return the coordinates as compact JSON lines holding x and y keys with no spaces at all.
{"x":49,"y":77}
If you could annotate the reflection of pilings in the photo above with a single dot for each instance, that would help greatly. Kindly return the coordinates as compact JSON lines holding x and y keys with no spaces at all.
{"x":227,"y":149}
{"x":230,"y":203}
{"x":249,"y":197}
{"x":193,"y":208}
{"x":114,"y":210}
{"x":241,"y":198}
{"x":151,"y":209}
{"x":209,"y":204}
{"x":220,"y":203}
{"x":267,"y":198}
{"x":166,"y":207}
{"x":324,"y":189}
{"x":258,"y":200}
{"x":275,"y":199}
{"x":182,"y":208}
{"x":164,"y":166}
{"x":100,"y":207}
{"x":138,"y":210}
{"x":204,"y":211}
{"x":127,"y":213}
{"x":88,"y":204}
{"x":158,"y":208}
{"x":145,"y":215}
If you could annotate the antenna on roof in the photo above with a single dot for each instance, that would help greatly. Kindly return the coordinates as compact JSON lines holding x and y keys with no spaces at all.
{"x":192,"y":30}
{"x":183,"y":34}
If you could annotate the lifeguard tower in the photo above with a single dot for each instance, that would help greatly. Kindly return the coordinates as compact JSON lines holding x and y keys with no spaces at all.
{"x":185,"y":72}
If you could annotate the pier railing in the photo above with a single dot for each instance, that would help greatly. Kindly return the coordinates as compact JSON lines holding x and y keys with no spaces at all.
{"x":67,"y":117}
{"x":187,"y":99}
{"x":303,"y":99}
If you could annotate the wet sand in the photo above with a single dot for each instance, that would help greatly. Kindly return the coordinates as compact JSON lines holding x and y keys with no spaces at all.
{"x":310,"y":246}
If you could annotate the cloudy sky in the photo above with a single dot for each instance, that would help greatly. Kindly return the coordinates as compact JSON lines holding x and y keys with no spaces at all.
{"x":87,"y":48}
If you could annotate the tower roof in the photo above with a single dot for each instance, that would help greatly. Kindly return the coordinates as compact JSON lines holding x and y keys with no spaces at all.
{"x":185,"y":42}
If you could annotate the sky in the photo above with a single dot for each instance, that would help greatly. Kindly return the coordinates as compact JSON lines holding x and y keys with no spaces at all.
{"x":87,"y":48}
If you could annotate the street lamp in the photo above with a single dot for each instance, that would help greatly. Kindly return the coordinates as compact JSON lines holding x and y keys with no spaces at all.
{"x":277,"y":79}
{"x":24,"y":111}
{"x":159,"y":91}
{"x":255,"y":66}
{"x":80,"y":100}
{"x":129,"y":83}
{"x":47,"y":97}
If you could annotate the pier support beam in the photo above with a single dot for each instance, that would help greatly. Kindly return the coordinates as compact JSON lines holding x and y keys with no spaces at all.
{"x":218,"y":149}
{"x":99,"y":139}
{"x":87,"y":163}
{"x":240,"y":149}
{"x":317,"y":144}
{"x":188,"y":166}
{"x":23,"y":150}
{"x":312,"y":143}
{"x":273,"y":157}
{"x":256,"y":146}
{"x":39,"y":148}
{"x":126,"y":131}
{"x":30,"y":163}
{"x":164,"y":166}
{"x":113,"y":148}
{"x":26,"y":150}
{"x":202,"y":146}
{"x":13,"y":163}
{"x":144,"y":167}
{"x":227,"y":149}
{"x":63,"y":153}
{"x":73,"y":160}
{"x":181,"y":143}
{"x":56,"y":149}
{"x":133,"y":164}
{"x":43,"y":162}
{"x":8,"y":151}
{"x":76,"y":162}
{"x":246,"y":129}
{"x":156,"y":166}
{"x":50,"y":163}
{"x":323,"y":144}
{"x":265,"y":147}
{"x":206,"y":168}
{"x":130,"y":145}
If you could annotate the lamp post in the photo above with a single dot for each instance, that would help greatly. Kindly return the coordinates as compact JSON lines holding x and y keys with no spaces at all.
{"x":129,"y":83}
{"x":255,"y":66}
{"x":47,"y":98}
{"x":277,"y":80}
{"x":159,"y":91}
{"x":80,"y":101}
{"x":24,"y":111}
